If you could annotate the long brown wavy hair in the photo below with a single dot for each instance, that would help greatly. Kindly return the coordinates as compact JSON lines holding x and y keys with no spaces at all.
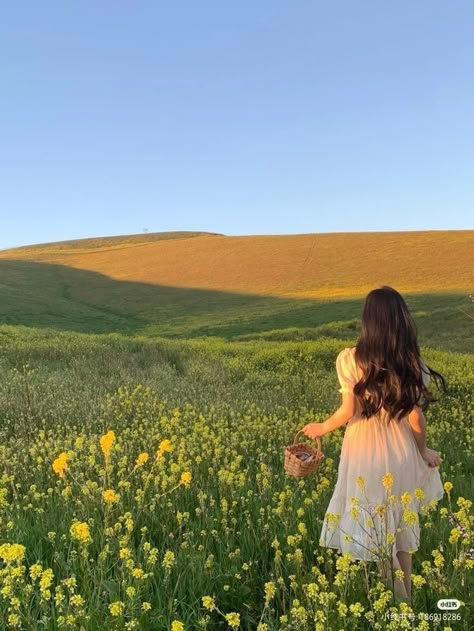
{"x":389,"y":357}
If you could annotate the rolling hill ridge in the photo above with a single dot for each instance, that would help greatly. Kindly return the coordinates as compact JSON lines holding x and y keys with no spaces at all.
{"x":194,"y":284}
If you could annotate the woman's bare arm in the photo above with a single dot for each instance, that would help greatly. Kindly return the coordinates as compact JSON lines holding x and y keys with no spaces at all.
{"x":340,"y":417}
{"x":417,"y":421}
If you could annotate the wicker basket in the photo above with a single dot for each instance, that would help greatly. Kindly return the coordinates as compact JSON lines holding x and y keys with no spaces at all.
{"x":302,"y":458}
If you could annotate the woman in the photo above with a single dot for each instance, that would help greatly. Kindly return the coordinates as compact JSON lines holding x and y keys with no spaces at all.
{"x":386,"y":471}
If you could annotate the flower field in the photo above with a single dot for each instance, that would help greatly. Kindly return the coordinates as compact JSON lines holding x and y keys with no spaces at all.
{"x":142,"y":487}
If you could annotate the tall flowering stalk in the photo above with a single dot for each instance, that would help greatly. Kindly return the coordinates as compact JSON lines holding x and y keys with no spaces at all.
{"x":382,"y":538}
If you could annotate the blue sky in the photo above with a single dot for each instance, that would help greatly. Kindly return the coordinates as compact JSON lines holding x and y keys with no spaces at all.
{"x":265,"y":117}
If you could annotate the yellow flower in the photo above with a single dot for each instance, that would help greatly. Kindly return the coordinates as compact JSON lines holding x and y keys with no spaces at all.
{"x":418,"y":580}
{"x":419,"y":493}
{"x":77,"y":600}
{"x":410,"y":517}
{"x":233,"y":620}
{"x":448,"y":487}
{"x":405,"y":499}
{"x":110,"y":496}
{"x":14,"y":620}
{"x":124,"y":553}
{"x":380,"y":510}
{"x":165,"y":445}
{"x":46,"y":579}
{"x":302,"y":528}
{"x":80,"y":531}
{"x":208,"y":602}
{"x":186,"y":478}
{"x":141,"y":459}
{"x":60,"y":464}
{"x":106,"y":442}
{"x":117,"y":608}
{"x":12,"y":552}
{"x":455,"y":535}
{"x":390,"y":537}
{"x":270,"y":591}
{"x":36,"y":570}
{"x":361,"y":482}
{"x":333,"y":518}
{"x":354,"y":512}
{"x":356,"y":609}
{"x":177,"y":625}
{"x":168,"y":560}
{"x":438,"y":558}
{"x":387,"y":480}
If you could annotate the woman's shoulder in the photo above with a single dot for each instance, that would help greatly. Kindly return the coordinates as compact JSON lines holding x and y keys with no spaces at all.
{"x":349,"y":353}
{"x":344,"y":357}
{"x":349,"y":350}
{"x":346,"y":360}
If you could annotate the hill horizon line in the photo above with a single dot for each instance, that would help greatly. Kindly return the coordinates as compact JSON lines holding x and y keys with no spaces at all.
{"x":176,"y":234}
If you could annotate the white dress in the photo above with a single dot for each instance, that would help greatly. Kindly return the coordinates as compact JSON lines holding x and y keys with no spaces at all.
{"x":356,"y":520}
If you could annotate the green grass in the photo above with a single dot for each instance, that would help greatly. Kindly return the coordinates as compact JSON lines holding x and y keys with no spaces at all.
{"x":229,"y":408}
{"x":44,"y":295}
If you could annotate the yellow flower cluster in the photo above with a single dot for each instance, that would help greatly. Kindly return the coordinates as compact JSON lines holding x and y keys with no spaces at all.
{"x":80,"y":532}
{"x":387,"y":481}
{"x":360,"y":482}
{"x":186,"y":477}
{"x":110,"y":496}
{"x":141,"y":459}
{"x":60,"y":464}
{"x":12,"y":552}
{"x":165,"y":446}
{"x":106,"y":443}
{"x":233,"y":620}
{"x":208,"y":602}
{"x":117,"y":608}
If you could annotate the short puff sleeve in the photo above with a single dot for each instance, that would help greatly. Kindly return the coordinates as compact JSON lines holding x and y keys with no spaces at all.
{"x":345,"y":371}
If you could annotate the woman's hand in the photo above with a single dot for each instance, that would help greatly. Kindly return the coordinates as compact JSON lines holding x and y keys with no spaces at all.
{"x":313,"y":430}
{"x":431,"y":457}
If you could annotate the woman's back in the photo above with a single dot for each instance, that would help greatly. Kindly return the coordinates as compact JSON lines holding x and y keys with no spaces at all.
{"x":349,"y":373}
{"x":374,"y":450}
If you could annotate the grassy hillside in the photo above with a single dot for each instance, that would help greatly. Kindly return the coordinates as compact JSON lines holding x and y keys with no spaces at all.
{"x":280,"y":287}
{"x":98,"y":243}
{"x":309,"y":265}
{"x":142,"y":474}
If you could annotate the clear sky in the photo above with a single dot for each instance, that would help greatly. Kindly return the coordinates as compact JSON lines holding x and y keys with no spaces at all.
{"x":249,"y":117}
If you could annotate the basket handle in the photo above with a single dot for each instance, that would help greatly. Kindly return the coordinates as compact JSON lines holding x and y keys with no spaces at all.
{"x":317,"y":439}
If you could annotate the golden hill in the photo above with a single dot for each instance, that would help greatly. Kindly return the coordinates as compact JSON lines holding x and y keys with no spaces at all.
{"x":303,"y":265}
